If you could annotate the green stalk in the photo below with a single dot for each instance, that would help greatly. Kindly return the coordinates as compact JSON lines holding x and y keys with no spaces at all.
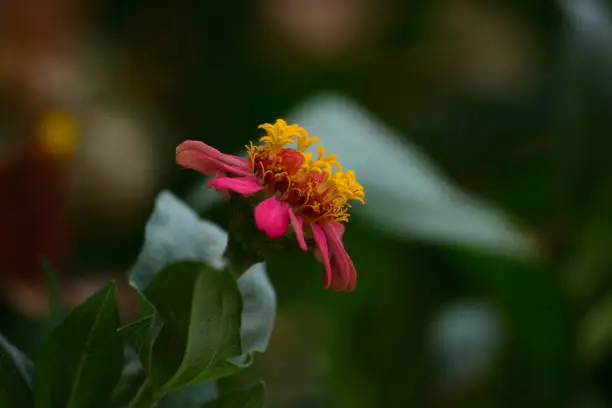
{"x":145,"y":398}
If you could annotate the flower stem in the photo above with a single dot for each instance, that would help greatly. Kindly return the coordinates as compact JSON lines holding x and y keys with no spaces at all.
{"x":240,"y":252}
{"x":239,"y":259}
{"x":145,"y":398}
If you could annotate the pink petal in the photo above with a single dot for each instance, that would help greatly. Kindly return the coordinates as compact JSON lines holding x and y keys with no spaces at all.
{"x":321,"y":242}
{"x":338,"y":227}
{"x":241,"y":185}
{"x":272,"y":217}
{"x":223,"y":191}
{"x":203,"y":148}
{"x":344,"y":275}
{"x":199,"y":156}
{"x":297,"y":224}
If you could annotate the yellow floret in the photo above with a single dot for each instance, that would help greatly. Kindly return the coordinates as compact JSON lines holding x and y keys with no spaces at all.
{"x":336,"y":187}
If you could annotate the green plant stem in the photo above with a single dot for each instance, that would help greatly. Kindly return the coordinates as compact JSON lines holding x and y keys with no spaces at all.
{"x":145,"y":398}
{"x":239,"y":252}
{"x":239,"y":259}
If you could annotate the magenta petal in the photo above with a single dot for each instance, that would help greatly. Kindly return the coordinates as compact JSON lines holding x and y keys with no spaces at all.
{"x":199,"y":156}
{"x":339,"y":228}
{"x":321,"y":241}
{"x":272,"y":217}
{"x":344,"y":275}
{"x":209,"y":151}
{"x":223,"y":191}
{"x":241,"y":185}
{"x":297,"y":224}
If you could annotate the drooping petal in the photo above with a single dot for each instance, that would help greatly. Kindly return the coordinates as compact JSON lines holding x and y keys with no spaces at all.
{"x":241,"y":185}
{"x":323,"y":252}
{"x":199,"y":156}
{"x":223,"y":191}
{"x":298,"y":227}
{"x":272,"y":217}
{"x":203,"y":148}
{"x":317,"y":255}
{"x":338,"y":227}
{"x":344,"y":275}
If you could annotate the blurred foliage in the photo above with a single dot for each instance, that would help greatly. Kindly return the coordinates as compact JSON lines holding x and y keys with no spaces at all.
{"x":252,"y":398}
{"x":199,"y":321}
{"x":16,"y":374}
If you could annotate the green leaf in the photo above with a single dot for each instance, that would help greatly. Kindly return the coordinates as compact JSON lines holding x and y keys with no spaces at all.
{"x":56,"y":307}
{"x":82,"y":360}
{"x":200,"y":309}
{"x":131,"y":379}
{"x":434,"y":209}
{"x":175,"y":233}
{"x":258,"y":312}
{"x":596,"y":333}
{"x":15,"y":377}
{"x":141,"y":334}
{"x":252,"y":398}
{"x":192,"y":396}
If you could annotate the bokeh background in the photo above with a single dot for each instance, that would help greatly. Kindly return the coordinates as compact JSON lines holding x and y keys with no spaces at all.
{"x":481,"y":131}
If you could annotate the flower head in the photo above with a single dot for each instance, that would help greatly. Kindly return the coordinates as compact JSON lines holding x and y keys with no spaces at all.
{"x":297,"y":188}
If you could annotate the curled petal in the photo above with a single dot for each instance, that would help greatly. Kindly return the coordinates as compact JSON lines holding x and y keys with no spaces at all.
{"x":203,"y":148}
{"x":272,"y":217}
{"x":297,"y":224}
{"x":241,"y":185}
{"x":323,"y":254}
{"x":344,"y":275}
{"x":199,"y":156}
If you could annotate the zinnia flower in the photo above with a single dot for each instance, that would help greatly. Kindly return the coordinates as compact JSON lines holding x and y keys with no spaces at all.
{"x":310,"y":194}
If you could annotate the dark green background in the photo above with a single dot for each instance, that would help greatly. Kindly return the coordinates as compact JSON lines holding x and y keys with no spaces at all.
{"x":543,"y":157}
